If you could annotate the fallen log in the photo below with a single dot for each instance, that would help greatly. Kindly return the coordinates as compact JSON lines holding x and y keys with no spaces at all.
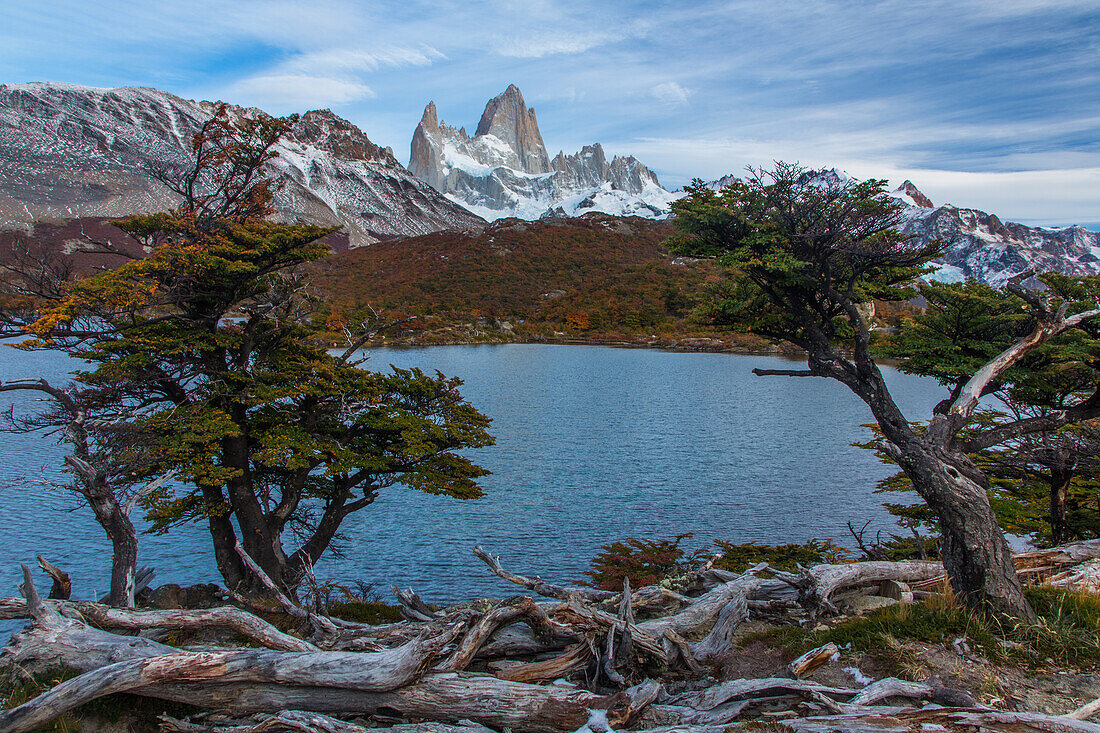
{"x":227,"y":617}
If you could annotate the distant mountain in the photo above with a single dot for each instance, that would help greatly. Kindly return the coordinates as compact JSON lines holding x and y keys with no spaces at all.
{"x":504,"y":170}
{"x":979,"y":246}
{"x":68,"y":152}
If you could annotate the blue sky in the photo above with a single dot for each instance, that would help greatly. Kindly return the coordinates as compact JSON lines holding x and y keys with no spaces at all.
{"x":993,"y":104}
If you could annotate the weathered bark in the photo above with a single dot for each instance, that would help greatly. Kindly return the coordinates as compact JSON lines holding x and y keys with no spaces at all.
{"x":106,"y":617}
{"x":975,"y":555}
{"x":945,"y":719}
{"x":62,"y":586}
{"x":1059,"y":483}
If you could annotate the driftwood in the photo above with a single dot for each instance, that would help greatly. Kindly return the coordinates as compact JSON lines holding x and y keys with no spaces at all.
{"x":227,"y":617}
{"x":538,"y":585}
{"x":417,"y":669}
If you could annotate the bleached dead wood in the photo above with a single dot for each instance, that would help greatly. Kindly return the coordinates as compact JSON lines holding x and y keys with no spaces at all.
{"x":361,"y":671}
{"x":573,"y":660}
{"x":1086,"y":711}
{"x":298,"y":721}
{"x":538,"y":585}
{"x":227,"y":617}
{"x":889,"y":687}
{"x":828,"y":579}
{"x":806,"y":664}
{"x":503,"y":614}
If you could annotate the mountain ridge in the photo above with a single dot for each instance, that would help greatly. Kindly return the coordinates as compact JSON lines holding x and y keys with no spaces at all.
{"x":69,"y":151}
{"x":504,"y":170}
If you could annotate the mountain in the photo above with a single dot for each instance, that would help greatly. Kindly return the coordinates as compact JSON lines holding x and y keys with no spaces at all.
{"x":69,"y":152}
{"x":504,"y":170}
{"x":979,"y":246}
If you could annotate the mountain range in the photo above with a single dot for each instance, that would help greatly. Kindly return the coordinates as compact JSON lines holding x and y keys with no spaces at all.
{"x":80,"y":153}
{"x":72,"y":152}
{"x":504,"y":170}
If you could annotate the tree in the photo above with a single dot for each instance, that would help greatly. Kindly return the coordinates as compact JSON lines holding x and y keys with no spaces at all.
{"x":1039,"y":480}
{"x":106,"y":466}
{"x":805,"y":252}
{"x":210,"y":345}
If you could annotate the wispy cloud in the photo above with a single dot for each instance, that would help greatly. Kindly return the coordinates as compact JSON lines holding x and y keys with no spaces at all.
{"x":283,"y":93}
{"x":671,"y":93}
{"x":991,"y":101}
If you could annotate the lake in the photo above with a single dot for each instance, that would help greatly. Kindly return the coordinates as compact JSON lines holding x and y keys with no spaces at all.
{"x":594,"y":444}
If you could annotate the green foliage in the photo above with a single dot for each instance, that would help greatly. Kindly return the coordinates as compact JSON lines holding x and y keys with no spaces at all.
{"x":966,"y":325}
{"x":739,"y":558}
{"x":797,"y":252}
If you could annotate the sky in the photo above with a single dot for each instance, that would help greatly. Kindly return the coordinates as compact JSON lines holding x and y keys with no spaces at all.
{"x":991,"y":104}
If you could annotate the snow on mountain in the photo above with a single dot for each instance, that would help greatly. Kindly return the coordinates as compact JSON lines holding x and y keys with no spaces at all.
{"x":69,"y":151}
{"x":979,"y":246}
{"x":504,"y":170}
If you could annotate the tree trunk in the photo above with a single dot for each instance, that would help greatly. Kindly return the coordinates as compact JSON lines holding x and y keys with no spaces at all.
{"x":124,"y":545}
{"x":976,"y":557}
{"x":1059,"y":483}
{"x":225,"y":539}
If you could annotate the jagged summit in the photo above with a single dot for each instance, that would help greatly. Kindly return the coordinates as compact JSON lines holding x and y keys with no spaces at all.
{"x":69,"y":151}
{"x":912,"y":195}
{"x":504,"y":169}
{"x":508,"y":118}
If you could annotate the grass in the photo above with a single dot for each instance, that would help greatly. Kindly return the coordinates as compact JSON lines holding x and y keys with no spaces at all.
{"x":1067,"y":633}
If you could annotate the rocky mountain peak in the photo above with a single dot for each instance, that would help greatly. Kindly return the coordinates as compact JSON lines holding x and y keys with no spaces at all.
{"x":504,"y":170}
{"x":508,"y":118}
{"x":332,"y":133}
{"x":912,"y":195}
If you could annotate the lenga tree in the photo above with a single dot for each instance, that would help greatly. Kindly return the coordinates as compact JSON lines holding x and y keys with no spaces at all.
{"x":1042,"y":479}
{"x":804,"y":253}
{"x":211,"y":344}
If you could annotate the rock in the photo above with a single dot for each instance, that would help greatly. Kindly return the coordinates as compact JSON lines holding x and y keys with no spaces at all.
{"x":171,"y":595}
{"x":866,"y":604}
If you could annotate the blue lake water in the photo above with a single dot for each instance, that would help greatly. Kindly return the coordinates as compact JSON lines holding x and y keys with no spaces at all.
{"x":594,"y":444}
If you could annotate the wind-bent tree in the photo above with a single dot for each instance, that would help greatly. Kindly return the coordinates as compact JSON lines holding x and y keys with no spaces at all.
{"x":210,"y":346}
{"x":1041,"y":480}
{"x":805,"y":253}
{"x":106,"y":465}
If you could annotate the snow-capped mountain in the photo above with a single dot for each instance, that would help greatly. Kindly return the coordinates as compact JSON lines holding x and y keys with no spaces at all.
{"x":69,"y":151}
{"x":979,"y":246}
{"x":504,"y":169}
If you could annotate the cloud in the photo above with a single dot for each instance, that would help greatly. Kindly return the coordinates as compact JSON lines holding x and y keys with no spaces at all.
{"x":671,"y":94}
{"x":540,"y":45}
{"x":281,"y":93}
{"x":354,"y":60}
